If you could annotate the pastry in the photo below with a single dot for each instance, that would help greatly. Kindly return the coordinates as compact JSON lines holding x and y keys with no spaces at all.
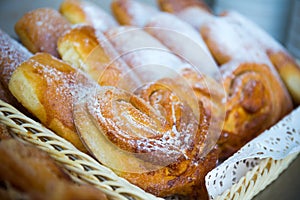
{"x":285,"y":64}
{"x":134,"y":13}
{"x":89,"y":50}
{"x":194,"y":12}
{"x":144,"y":53}
{"x":88,"y":13}
{"x":183,"y":40}
{"x":40,"y":29}
{"x":256,"y":100}
{"x":48,"y":88}
{"x":153,"y":138}
{"x":177,"y":35}
{"x":34,"y":175}
{"x":11,"y":55}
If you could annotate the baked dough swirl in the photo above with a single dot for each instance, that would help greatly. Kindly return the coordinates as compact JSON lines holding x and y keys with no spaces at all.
{"x":151,"y":138}
{"x":256,"y":100}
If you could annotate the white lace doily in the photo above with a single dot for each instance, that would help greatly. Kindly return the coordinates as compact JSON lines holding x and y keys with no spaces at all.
{"x":281,"y":140}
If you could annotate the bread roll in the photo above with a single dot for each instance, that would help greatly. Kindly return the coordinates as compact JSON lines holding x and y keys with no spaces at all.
{"x":40,"y":29}
{"x":89,"y":50}
{"x":11,"y":55}
{"x":194,"y":12}
{"x":134,"y":13}
{"x":84,"y":12}
{"x":48,"y":88}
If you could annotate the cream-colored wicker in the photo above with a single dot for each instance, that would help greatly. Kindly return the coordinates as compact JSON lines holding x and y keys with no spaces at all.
{"x":84,"y":169}
{"x":81,"y":167}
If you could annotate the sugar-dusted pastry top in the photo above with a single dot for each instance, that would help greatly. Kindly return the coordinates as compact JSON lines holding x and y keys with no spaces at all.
{"x":134,"y":13}
{"x":90,"y":51}
{"x":48,"y":88}
{"x":40,"y":29}
{"x":88,"y":13}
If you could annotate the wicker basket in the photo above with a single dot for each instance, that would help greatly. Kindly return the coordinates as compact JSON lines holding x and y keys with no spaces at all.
{"x":84,"y":169}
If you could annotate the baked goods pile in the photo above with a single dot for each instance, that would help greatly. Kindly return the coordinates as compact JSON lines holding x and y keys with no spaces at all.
{"x":140,"y":93}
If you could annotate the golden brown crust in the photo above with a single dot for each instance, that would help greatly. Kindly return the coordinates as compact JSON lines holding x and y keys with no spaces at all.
{"x":34,"y":174}
{"x":84,"y":12}
{"x":288,"y":70}
{"x":256,"y":100}
{"x":159,"y":130}
{"x":175,"y":6}
{"x":130,"y":12}
{"x":89,"y":50}
{"x":40,"y":29}
{"x":48,"y":87}
{"x":285,"y":64}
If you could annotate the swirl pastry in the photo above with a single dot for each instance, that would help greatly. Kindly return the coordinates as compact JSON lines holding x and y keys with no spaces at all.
{"x":194,"y":12}
{"x":154,"y":133}
{"x":40,"y":29}
{"x":256,"y":100}
{"x":48,"y":87}
{"x":89,"y":50}
{"x":84,"y":12}
{"x":34,"y":175}
{"x":143,"y":53}
{"x":285,"y":64}
{"x":134,"y":13}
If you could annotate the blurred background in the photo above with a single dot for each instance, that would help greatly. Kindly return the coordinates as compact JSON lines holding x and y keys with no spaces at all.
{"x":280,"y":18}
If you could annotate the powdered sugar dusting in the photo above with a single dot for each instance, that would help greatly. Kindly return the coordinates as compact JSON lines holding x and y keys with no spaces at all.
{"x":140,"y":13}
{"x":183,"y":40}
{"x":147,"y":138}
{"x":138,"y":48}
{"x":195,"y":16}
{"x":97,"y":17}
{"x":11,"y":55}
